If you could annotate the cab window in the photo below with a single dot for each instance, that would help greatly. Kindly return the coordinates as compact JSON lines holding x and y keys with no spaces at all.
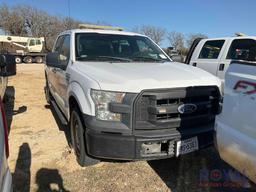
{"x":242,"y":49}
{"x":38,"y":42}
{"x":32,"y":42}
{"x":211,"y":49}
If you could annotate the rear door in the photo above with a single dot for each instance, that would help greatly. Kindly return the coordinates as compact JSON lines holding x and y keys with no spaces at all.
{"x":236,"y":125}
{"x":238,"y":49}
{"x":207,"y":55}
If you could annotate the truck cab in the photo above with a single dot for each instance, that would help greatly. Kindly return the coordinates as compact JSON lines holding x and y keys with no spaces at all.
{"x":35,"y":45}
{"x":214,"y":55}
{"x":235,"y":126}
{"x":124,"y":98}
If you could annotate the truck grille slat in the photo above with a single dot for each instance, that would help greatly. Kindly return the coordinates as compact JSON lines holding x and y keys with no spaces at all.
{"x":160,"y":108}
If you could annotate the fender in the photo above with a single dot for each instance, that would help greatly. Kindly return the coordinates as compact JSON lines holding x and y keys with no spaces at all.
{"x":82,"y":97}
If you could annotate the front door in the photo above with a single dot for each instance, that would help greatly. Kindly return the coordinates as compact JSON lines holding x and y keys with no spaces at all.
{"x":62,"y":78}
{"x":240,"y":49}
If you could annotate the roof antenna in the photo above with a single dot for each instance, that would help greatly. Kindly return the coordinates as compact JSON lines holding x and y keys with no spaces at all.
{"x":239,"y":34}
{"x":69,"y":18}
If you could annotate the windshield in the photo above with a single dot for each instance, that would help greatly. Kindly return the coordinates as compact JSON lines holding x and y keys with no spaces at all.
{"x":109,"y":47}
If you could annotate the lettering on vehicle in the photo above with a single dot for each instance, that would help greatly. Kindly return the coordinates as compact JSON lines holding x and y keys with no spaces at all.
{"x":245,"y":87}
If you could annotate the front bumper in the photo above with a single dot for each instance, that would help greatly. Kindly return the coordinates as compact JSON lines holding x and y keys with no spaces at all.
{"x":140,"y":146}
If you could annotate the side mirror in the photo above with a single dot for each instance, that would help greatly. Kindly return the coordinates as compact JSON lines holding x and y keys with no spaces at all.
{"x":177,"y":58}
{"x":7,"y":65}
{"x":53,"y":60}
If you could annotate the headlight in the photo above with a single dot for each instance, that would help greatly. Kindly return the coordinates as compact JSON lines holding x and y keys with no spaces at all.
{"x":102,"y":99}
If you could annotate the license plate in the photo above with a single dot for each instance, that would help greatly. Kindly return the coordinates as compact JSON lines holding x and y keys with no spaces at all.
{"x":186,"y":146}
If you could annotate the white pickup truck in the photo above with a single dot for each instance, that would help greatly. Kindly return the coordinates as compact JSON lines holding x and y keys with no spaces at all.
{"x":214,"y":55}
{"x":236,"y":125}
{"x":124,"y":98}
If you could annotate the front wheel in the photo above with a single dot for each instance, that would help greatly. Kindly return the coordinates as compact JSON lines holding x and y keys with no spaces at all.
{"x":78,"y":140}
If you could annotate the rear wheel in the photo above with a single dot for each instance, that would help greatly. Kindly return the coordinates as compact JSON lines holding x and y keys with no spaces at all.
{"x":18,"y":59}
{"x":78,"y":139}
{"x":39,"y":59}
{"x":28,"y":59}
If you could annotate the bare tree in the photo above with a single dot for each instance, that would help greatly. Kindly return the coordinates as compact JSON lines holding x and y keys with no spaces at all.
{"x":157,"y":34}
{"x":29,"y":21}
{"x":12,"y":21}
{"x":192,"y":36}
{"x":176,"y":40}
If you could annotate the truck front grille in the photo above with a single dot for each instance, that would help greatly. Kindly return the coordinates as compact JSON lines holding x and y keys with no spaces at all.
{"x":160,"y":109}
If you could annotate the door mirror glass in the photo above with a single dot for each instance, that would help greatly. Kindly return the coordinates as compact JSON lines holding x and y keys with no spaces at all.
{"x":54,"y":60}
{"x":7,"y":65}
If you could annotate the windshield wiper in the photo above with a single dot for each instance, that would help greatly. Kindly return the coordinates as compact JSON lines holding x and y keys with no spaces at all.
{"x":116,"y":58}
{"x":105,"y":58}
{"x":142,"y":58}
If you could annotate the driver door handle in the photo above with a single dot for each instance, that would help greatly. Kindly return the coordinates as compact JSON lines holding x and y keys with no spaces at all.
{"x":222,"y":67}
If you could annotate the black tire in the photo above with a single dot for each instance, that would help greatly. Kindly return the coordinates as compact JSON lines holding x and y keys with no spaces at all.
{"x":18,"y":59}
{"x":28,"y":59}
{"x":48,"y":95}
{"x":78,"y":139}
{"x":39,"y":59}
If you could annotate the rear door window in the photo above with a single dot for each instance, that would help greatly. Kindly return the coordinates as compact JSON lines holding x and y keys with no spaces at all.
{"x":211,"y":49}
{"x":242,"y":49}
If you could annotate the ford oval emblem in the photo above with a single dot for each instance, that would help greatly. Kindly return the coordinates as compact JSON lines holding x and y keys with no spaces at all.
{"x":187,"y":108}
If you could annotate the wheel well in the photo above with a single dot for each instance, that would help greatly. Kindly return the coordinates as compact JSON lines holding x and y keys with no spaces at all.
{"x":73,"y":103}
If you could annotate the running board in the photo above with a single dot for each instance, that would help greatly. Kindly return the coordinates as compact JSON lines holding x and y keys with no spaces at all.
{"x":59,"y":113}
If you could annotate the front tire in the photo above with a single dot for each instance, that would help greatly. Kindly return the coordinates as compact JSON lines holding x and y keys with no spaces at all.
{"x":78,"y":139}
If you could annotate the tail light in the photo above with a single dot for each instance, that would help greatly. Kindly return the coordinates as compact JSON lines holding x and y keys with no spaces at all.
{"x":5,"y":128}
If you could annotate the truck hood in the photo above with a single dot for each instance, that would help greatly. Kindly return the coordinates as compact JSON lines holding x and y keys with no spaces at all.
{"x":135,"y":77}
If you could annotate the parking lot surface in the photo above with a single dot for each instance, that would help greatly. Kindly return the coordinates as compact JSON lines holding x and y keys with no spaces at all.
{"x":41,"y":159}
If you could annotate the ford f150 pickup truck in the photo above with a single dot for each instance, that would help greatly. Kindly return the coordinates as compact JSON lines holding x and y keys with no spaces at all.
{"x":214,"y":55}
{"x":124,"y":98}
{"x":236,"y":125}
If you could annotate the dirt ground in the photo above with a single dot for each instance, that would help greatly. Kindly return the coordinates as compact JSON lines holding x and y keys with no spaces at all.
{"x":41,"y":159}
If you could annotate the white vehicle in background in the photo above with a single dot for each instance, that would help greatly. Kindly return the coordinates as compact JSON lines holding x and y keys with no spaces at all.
{"x":7,"y":68}
{"x":214,"y":55}
{"x":25,"y":49}
{"x":236,"y":125}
